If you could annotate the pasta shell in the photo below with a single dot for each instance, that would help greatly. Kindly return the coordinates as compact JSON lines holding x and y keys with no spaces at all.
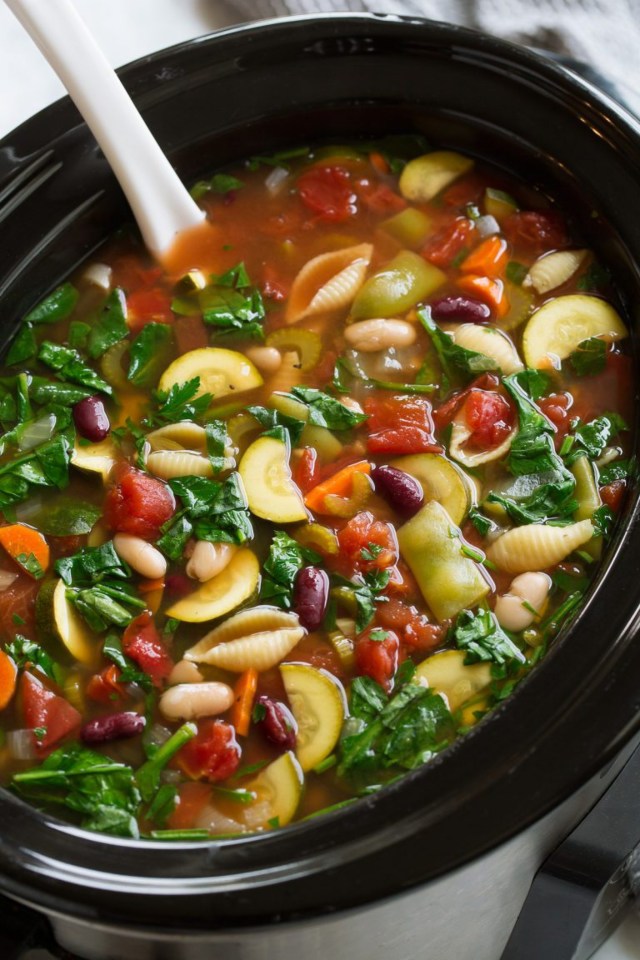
{"x":243,"y":624}
{"x":260,"y":650}
{"x":328,"y":282}
{"x":492,"y":343}
{"x":167,"y":464}
{"x":553,"y":269}
{"x":537,"y":546}
{"x":460,"y":433}
{"x":288,"y":374}
{"x":184,"y":435}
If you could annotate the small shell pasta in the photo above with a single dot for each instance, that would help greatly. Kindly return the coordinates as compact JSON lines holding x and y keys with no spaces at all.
{"x":328,"y":282}
{"x":288,"y":375}
{"x":554,"y":269}
{"x":184,"y":435}
{"x":460,"y":434}
{"x":168,"y":464}
{"x":490,"y":342}
{"x":260,"y":650}
{"x":537,"y":546}
{"x":246,"y":622}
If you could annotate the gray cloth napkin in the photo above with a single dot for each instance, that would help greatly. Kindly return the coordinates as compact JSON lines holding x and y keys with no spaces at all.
{"x":604,"y":34}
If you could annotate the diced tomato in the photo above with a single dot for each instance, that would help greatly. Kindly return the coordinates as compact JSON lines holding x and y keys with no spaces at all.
{"x":375,"y":537}
{"x":413,"y":628}
{"x":104,"y":687}
{"x":444,"y":414}
{"x":446,"y":244}
{"x":17,"y":607}
{"x":305,"y":470}
{"x":138,"y":504}
{"x":467,"y":189}
{"x":400,"y":424}
{"x":274,"y":287}
{"x":213,"y":754}
{"x":377,"y":653}
{"x":489,"y":417}
{"x":534,"y":232}
{"x":46,"y":712}
{"x":145,"y":306}
{"x":192,"y":798}
{"x":142,"y":643}
{"x":379,"y":197}
{"x":556,"y":408}
{"x":613,"y":494}
{"x":190,"y":334}
{"x":328,"y":192}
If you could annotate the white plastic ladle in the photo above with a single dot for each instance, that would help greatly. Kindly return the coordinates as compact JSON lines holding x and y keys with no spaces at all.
{"x":161,"y":205}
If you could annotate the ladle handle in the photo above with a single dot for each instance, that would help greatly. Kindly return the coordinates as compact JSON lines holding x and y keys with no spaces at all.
{"x":161,"y":205}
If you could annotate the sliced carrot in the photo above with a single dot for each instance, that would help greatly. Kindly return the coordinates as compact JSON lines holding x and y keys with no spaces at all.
{"x":378,"y":162}
{"x":27,"y":547}
{"x":489,"y":289}
{"x":244,"y":693}
{"x":339,"y":484}
{"x":8,"y":674}
{"x":489,"y":258}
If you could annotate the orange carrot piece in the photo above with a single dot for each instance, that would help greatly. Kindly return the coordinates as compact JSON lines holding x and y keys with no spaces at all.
{"x":340,"y":484}
{"x":26,"y":545}
{"x":244,"y":694}
{"x":8,"y":675}
{"x":378,"y":162}
{"x":489,"y":289}
{"x":489,"y":258}
{"x":148,"y":586}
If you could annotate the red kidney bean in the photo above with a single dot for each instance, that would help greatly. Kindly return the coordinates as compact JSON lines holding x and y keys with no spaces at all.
{"x":277,"y":723}
{"x":310,"y":596}
{"x":116,"y":726}
{"x":399,"y":489}
{"x":461,"y":309}
{"x":91,"y":420}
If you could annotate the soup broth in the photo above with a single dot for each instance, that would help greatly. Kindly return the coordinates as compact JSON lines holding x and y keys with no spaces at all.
{"x":279,"y":529}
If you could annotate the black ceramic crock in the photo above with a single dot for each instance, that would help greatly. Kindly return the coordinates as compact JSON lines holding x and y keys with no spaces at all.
{"x":252,"y":90}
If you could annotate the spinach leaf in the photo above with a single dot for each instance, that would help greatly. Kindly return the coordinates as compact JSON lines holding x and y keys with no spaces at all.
{"x":459,"y":365}
{"x":482,"y":524}
{"x":147,"y":777}
{"x":91,"y":565}
{"x":603,"y":520}
{"x":46,"y":466}
{"x":181,"y":402}
{"x":68,"y":517}
{"x":94,"y":577}
{"x":149,"y":354}
{"x":286,"y":558}
{"x":23,"y":347}
{"x":213,"y":510}
{"x":594,"y":436}
{"x":423,"y":382}
{"x":129,"y":672}
{"x":79,"y":334}
{"x":326,"y":411}
{"x":483,"y":639}
{"x":45,"y":392}
{"x":217,"y":440}
{"x":232,"y":305}
{"x":102,"y":791}
{"x":58,"y":305}
{"x":71,"y":367}
{"x":23,"y":651}
{"x":279,"y":159}
{"x":110,"y":325}
{"x":590,"y":357}
{"x":617,"y":470}
{"x":362,"y":594}
{"x":277,"y":423}
{"x":515,"y":272}
{"x":221,"y":183}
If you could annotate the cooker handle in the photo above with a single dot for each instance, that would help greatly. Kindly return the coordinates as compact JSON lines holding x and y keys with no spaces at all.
{"x":587,"y":885}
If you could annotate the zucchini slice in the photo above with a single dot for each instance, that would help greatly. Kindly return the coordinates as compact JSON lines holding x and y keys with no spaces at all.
{"x":447,"y":674}
{"x":221,"y":372}
{"x":265,"y":473}
{"x":318,"y":704}
{"x":440,"y":480}
{"x":95,"y":457}
{"x":223,"y":593}
{"x":391,"y":291}
{"x":279,"y":787}
{"x":426,"y":176}
{"x":559,"y":326}
{"x":58,"y":621}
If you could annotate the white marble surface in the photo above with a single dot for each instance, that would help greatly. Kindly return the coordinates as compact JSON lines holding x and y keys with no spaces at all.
{"x":128,"y":29}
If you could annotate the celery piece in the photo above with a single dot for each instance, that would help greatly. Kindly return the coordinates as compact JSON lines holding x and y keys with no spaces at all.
{"x":499,"y":204}
{"x":405,"y":281}
{"x":410,"y":227}
{"x":431,"y":545}
{"x":588,"y":496}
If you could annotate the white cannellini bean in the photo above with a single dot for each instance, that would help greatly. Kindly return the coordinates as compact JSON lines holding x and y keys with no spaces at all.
{"x":209,"y":559}
{"x":527,"y":590}
{"x":140,"y":555}
{"x":185,"y":672}
{"x":266,"y":359}
{"x":370,"y":336}
{"x":188,"y":701}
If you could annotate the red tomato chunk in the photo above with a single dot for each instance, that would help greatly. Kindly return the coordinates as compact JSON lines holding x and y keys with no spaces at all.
{"x":328,"y":192}
{"x":213,"y":754}
{"x":142,"y":643}
{"x":375,"y":537}
{"x":489,"y":417}
{"x":377,"y":653}
{"x":400,"y":425}
{"x":45,"y":712}
{"x":138,"y":504}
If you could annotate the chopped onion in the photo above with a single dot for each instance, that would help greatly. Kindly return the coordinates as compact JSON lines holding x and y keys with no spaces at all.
{"x":36,"y":432}
{"x":155,"y":735}
{"x":487,"y":225}
{"x":28,"y":508}
{"x":275,"y":181}
{"x":7,"y":577}
{"x":21,"y":744}
{"x":99,"y":274}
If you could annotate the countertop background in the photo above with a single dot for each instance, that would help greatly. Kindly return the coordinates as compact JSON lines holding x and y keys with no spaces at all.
{"x":126,"y":30}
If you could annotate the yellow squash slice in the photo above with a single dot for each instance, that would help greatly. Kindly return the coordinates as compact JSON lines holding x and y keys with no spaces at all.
{"x":426,"y":176}
{"x":555,"y":331}
{"x":223,"y":593}
{"x":318,"y":704}
{"x":440,"y":480}
{"x":279,"y":788}
{"x":221,"y":372}
{"x":265,"y":473}
{"x":447,"y":673}
{"x":58,"y":622}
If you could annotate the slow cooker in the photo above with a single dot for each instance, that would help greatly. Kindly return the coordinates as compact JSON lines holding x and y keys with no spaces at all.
{"x":440,"y":863}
